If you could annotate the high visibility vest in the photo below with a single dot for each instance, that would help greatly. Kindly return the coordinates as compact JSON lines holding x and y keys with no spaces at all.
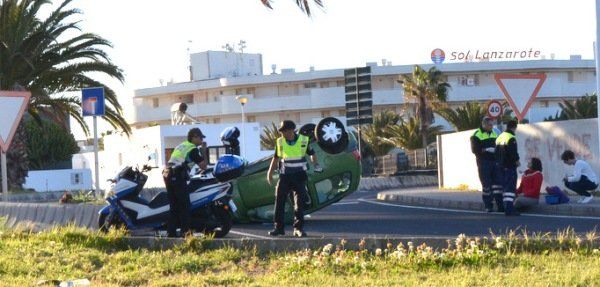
{"x":292,"y":156}
{"x":180,"y":153}
{"x":504,"y":138}
{"x":482,"y":135}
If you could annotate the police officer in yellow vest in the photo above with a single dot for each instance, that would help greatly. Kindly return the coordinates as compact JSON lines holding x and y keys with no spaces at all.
{"x":176,"y":174}
{"x":290,"y":154}
{"x":508,"y":158}
{"x":483,"y":146}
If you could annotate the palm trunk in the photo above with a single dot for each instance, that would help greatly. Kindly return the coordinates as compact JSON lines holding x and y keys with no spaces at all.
{"x":17,"y":159}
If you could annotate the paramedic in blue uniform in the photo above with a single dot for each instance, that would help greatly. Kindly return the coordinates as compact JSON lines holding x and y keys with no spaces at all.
{"x":508,"y":158}
{"x":483,"y":145}
{"x":176,"y":174}
{"x":290,"y":155}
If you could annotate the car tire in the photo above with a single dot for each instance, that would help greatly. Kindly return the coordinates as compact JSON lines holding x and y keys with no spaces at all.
{"x":308,"y":130}
{"x":331,"y":135}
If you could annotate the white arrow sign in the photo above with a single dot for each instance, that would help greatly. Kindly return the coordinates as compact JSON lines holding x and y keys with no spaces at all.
{"x":12,"y":106}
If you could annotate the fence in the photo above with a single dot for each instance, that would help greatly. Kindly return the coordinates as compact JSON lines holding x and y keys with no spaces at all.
{"x":403,"y":161}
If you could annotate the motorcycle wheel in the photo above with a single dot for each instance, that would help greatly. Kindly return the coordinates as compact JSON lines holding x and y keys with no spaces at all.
{"x":224,"y":221}
{"x":105,"y":226}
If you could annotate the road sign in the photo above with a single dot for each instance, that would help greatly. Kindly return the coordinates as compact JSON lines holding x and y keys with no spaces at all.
{"x":520,"y":90}
{"x":92,"y":101}
{"x":494,"y":109}
{"x":359,"y":96}
{"x":12,"y":107}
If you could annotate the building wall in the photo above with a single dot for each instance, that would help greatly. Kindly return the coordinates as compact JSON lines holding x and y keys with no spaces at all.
{"x":545,"y":140}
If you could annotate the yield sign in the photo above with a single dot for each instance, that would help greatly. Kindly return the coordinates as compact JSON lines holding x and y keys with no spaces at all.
{"x":12,"y":106}
{"x":523,"y":90}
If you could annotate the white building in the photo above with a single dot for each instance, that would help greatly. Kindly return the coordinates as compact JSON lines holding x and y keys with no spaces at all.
{"x":308,"y":96}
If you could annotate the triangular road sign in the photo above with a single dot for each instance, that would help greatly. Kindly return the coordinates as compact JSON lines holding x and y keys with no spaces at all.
{"x":523,"y":90}
{"x":12,"y":106}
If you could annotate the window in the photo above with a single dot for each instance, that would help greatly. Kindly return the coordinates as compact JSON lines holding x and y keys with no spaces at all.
{"x":570,"y":77}
{"x":251,"y":119}
{"x":468,"y":80}
{"x":324,"y":84}
{"x":155,"y":102}
{"x":310,"y":85}
{"x":188,"y":99}
{"x":325,"y":114}
{"x":216,"y":120}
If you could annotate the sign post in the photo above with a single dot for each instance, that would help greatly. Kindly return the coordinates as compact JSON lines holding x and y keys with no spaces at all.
{"x":12,"y":107}
{"x":520,"y":101}
{"x":92,"y":104}
{"x":359,"y":98}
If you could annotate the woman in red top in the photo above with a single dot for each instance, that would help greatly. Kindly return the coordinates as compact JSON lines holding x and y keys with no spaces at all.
{"x":528,"y":193}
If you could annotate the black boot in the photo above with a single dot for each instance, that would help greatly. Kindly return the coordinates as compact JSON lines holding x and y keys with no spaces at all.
{"x":276,"y":232}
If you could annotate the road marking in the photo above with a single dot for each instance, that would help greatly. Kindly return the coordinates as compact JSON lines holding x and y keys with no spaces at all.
{"x":474,"y":211}
{"x":344,"y":203}
{"x":249,"y":234}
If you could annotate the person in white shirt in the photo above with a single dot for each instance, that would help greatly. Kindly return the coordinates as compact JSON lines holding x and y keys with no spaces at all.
{"x":583,"y":179}
{"x":179,"y":116}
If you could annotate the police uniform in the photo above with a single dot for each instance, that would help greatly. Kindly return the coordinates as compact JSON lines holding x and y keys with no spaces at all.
{"x":292,"y":177}
{"x":483,"y":144}
{"x":508,"y":157}
{"x":175,"y":176}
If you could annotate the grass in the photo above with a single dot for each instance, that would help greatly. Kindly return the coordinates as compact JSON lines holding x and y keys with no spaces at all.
{"x":562,"y":259}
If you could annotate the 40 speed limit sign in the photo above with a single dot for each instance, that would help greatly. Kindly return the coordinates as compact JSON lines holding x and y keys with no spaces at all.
{"x":494,"y":109}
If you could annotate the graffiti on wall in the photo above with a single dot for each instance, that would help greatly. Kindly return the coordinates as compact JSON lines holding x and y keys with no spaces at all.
{"x":578,"y":143}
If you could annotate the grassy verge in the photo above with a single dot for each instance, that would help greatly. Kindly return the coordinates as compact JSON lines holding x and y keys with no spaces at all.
{"x":106,"y":260}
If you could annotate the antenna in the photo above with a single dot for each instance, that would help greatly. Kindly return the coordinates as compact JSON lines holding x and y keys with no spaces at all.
{"x":273,"y":67}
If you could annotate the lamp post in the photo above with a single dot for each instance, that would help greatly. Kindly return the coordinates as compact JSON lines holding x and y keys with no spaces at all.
{"x":243,"y":100}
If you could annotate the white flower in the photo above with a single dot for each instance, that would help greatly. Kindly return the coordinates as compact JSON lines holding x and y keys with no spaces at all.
{"x":378,"y":252}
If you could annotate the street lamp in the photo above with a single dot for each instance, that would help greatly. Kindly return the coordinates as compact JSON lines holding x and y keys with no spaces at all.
{"x":243,"y":100}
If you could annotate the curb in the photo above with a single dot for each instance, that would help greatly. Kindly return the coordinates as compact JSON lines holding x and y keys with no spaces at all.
{"x":564,"y":209}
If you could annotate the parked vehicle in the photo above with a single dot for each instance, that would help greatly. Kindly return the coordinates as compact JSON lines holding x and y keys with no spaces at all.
{"x":210,"y":198}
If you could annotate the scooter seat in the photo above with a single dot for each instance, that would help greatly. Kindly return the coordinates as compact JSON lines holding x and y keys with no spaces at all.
{"x":161,"y":199}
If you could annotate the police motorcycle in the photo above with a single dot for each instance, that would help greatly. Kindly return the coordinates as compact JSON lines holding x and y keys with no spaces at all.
{"x":210,"y":196}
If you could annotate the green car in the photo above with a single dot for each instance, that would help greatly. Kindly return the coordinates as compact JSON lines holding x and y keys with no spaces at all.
{"x":337,"y":153}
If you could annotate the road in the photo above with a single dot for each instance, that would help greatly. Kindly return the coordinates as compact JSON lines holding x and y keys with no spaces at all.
{"x":360,"y":215}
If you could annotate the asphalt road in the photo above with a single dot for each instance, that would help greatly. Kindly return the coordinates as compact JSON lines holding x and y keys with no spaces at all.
{"x":360,"y":215}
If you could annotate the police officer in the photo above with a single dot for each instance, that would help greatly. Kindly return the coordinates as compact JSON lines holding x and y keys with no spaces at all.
{"x":290,"y":154}
{"x":483,"y":145}
{"x":508,"y":158}
{"x":176,"y":174}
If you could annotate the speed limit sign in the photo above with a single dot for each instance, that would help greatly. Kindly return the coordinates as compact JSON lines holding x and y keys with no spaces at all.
{"x":494,"y":109}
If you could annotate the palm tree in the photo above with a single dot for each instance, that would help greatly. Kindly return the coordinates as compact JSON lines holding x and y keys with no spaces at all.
{"x":268,"y":138}
{"x":374,"y":134}
{"x":466,"y":117}
{"x":582,"y":108}
{"x":427,"y":92}
{"x":302,"y":4}
{"x":51,"y":57}
{"x":407,"y":134}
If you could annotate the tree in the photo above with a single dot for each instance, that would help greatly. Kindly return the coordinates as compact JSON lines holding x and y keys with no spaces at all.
{"x":425,"y":91}
{"x":374,"y":134}
{"x":48,"y":144}
{"x":50,"y":57}
{"x":407,"y":134}
{"x":464,"y":118}
{"x":582,"y":108}
{"x":302,"y":4}
{"x":268,"y":138}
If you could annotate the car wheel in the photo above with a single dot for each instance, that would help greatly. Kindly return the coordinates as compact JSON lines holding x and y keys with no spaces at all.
{"x":331,"y":135}
{"x":309,"y":131}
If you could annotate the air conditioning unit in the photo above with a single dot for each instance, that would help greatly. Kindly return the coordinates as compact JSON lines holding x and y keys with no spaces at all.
{"x":470,"y":82}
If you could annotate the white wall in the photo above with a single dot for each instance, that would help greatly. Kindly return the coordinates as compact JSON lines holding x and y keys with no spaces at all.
{"x":545,"y":140}
{"x":59,"y":180}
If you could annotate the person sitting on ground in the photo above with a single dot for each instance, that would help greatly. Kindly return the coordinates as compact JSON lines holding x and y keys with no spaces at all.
{"x":528,"y":193}
{"x":583,"y":179}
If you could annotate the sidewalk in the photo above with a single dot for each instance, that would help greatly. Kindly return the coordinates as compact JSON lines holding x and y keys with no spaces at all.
{"x":469,"y":200}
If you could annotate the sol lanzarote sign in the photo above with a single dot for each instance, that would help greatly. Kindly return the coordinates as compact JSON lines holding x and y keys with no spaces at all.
{"x":520,"y":90}
{"x":12,"y":107}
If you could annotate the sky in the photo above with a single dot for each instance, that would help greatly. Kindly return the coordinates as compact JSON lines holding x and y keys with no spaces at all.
{"x":152,"y":38}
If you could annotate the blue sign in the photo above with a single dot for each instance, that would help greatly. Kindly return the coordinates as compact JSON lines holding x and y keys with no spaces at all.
{"x":92,"y":101}
{"x":438,"y":56}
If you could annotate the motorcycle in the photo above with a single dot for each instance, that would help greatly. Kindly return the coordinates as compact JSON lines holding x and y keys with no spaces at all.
{"x":210,"y":193}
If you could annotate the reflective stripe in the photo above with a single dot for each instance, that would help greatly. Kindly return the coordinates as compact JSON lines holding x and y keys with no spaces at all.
{"x":298,"y":164}
{"x":293,"y":158}
{"x":496,"y":186}
{"x":508,"y":199}
{"x":511,"y":194}
{"x":498,"y":191}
